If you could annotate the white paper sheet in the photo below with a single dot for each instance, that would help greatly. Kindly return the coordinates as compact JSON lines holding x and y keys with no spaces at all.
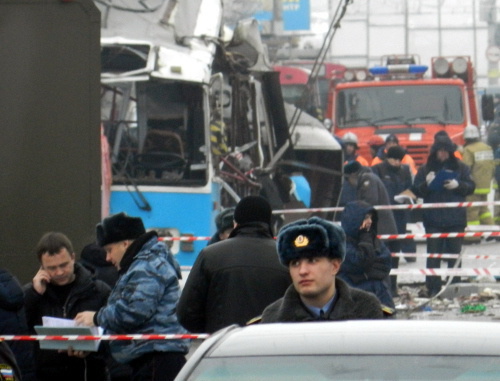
{"x":56,"y":327}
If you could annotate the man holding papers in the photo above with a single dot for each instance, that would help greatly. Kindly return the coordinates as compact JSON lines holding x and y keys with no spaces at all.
{"x":62,"y":288}
{"x":143,"y":300}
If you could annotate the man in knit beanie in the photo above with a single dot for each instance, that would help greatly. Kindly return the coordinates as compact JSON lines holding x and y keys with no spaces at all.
{"x":232,"y":281}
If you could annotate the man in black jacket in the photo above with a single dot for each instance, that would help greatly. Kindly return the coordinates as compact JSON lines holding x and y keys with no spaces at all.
{"x":367,"y":186}
{"x":233,"y":281}
{"x":396,"y":178}
{"x":62,"y":288}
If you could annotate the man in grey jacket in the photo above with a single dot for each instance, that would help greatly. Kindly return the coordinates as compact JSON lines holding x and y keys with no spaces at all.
{"x":142,"y":301}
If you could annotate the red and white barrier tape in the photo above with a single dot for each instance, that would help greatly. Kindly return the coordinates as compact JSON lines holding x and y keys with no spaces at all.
{"x":383,"y":236}
{"x":443,"y":256}
{"x":439,"y":235}
{"x":394,"y":207}
{"x":493,"y":271}
{"x":102,"y":337}
{"x":185,"y":239}
{"x":466,"y":271}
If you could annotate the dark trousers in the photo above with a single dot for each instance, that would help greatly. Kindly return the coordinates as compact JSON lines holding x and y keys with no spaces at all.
{"x":394,"y":247}
{"x":442,"y":246}
{"x":157,"y":366}
{"x":407,"y":245}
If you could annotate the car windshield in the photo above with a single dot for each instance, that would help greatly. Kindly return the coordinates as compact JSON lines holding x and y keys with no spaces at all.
{"x":399,"y":105}
{"x":349,"y":367}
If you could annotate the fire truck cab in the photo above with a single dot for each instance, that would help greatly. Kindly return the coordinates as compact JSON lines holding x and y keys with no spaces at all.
{"x":327,"y":72}
{"x":396,"y":98}
{"x":299,"y":90}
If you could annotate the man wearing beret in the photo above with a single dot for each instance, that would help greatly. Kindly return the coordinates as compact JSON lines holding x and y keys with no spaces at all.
{"x":313,"y":251}
{"x":142,"y":301}
{"x":232,"y":281}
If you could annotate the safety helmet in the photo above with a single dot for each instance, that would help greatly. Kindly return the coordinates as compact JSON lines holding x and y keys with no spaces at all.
{"x":350,"y":137}
{"x":376,"y":140}
{"x":471,"y":132}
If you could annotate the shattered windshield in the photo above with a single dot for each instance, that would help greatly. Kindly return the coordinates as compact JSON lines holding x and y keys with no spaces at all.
{"x":156,"y":132}
{"x":395,"y":105}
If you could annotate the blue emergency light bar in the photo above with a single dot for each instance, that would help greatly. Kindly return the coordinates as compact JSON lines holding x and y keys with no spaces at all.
{"x":398,"y":69}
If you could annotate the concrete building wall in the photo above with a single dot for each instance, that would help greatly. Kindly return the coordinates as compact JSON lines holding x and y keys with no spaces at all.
{"x":49,"y":123}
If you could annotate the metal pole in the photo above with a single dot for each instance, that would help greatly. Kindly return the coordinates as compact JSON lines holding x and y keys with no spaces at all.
{"x":277,"y":23}
{"x":474,"y":30}
{"x":440,"y":38}
{"x":407,"y":39}
{"x":492,"y":24}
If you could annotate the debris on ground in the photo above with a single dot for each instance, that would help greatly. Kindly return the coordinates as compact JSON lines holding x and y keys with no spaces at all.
{"x":478,"y":301}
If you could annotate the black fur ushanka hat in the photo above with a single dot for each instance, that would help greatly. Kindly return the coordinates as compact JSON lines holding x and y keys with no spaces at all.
{"x":119,"y":227}
{"x":310,"y":238}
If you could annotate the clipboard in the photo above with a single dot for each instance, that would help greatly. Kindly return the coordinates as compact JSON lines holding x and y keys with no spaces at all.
{"x":441,"y":177}
{"x":77,"y":345}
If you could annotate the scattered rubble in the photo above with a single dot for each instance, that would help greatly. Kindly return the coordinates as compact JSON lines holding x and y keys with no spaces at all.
{"x":467,"y":301}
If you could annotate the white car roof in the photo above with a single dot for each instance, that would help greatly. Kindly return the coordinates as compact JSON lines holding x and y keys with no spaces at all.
{"x":401,"y":337}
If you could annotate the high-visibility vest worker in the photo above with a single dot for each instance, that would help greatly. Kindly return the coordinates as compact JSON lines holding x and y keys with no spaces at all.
{"x":479,"y":157}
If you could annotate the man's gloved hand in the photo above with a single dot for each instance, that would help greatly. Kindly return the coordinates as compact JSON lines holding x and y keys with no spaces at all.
{"x":451,"y":184}
{"x":430,"y":177}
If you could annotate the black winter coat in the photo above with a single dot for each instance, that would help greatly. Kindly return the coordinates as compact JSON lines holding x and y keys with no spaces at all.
{"x":352,"y":304}
{"x":233,"y":281}
{"x":86,"y":294}
{"x":13,"y":322}
{"x":93,"y":258}
{"x":395,"y":180}
{"x":371,"y":189}
{"x":444,"y":217}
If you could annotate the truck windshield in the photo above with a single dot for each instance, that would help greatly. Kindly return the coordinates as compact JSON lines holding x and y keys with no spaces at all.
{"x":410,"y":105}
{"x":293,"y":93}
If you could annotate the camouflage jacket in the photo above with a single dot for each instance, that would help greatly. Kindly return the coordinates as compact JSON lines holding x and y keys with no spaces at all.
{"x":144,"y":300}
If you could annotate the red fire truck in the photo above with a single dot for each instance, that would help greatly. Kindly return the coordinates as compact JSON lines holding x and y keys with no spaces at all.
{"x":327,"y":72}
{"x":298,"y":90}
{"x":397,"y":98}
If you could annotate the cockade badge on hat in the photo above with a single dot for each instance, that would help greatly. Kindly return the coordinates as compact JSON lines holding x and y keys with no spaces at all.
{"x":301,"y":241}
